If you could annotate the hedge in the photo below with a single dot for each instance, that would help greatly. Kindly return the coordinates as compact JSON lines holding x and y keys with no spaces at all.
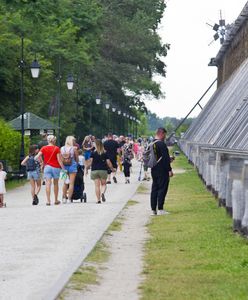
{"x":10,"y":145}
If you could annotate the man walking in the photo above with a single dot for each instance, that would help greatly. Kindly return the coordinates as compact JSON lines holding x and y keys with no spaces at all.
{"x":111,"y":147}
{"x":161,"y":173}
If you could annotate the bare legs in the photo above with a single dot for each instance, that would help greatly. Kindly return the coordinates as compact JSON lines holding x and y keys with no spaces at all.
{"x":35,"y":186}
{"x":100,"y":188}
{"x":48,"y":190}
{"x":72,"y":177}
{"x":1,"y":200}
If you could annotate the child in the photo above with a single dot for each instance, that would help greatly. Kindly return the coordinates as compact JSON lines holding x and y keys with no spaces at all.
{"x":2,"y":185}
{"x":126,"y":168}
{"x":81,"y":158}
{"x":33,"y":168}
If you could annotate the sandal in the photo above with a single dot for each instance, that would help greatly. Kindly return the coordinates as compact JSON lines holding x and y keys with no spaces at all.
{"x":56,"y":202}
{"x":48,"y":203}
{"x":103,"y":198}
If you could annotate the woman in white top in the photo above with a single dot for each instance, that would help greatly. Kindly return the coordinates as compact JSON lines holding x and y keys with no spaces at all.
{"x":69,"y":155}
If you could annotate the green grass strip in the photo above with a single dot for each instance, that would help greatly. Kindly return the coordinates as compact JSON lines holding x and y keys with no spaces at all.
{"x":193,"y":253}
{"x":12,"y":184}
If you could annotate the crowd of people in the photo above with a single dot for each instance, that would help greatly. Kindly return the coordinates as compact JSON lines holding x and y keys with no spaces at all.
{"x":103,"y":157}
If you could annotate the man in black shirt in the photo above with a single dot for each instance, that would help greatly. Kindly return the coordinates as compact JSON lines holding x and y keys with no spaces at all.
{"x":161,"y":174}
{"x":111,"y":147}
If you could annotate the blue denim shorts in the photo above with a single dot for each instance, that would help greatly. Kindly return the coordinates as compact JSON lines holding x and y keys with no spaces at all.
{"x":51,"y":172}
{"x":72,"y":168}
{"x":35,"y":175}
{"x":87,"y":154}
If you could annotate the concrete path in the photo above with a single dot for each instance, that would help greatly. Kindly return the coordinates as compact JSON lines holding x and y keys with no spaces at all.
{"x":42,"y":246}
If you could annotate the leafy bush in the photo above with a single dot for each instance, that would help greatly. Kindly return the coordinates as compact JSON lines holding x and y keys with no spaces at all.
{"x":10,"y":145}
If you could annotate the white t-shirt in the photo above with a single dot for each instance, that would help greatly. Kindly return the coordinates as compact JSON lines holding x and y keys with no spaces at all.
{"x":81,"y":160}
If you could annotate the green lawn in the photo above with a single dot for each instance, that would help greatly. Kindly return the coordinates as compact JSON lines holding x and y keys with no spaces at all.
{"x":193,"y":253}
{"x":12,"y":184}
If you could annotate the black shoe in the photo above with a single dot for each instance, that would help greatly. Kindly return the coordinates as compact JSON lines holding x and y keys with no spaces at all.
{"x":103,"y":198}
{"x":115,"y":180}
{"x":43,"y":182}
{"x":35,"y":200}
{"x":108,"y":182}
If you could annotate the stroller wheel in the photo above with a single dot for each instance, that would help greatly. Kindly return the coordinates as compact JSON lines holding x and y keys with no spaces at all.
{"x":85,"y":197}
{"x":81,"y":200}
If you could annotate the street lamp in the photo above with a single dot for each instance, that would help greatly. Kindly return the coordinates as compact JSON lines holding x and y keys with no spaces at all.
{"x":107,"y":106}
{"x":35,"y":71}
{"x":98,"y":99}
{"x":70,"y":82}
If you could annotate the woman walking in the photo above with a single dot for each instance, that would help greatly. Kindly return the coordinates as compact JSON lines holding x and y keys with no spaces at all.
{"x":87,"y":147}
{"x":69,"y":155}
{"x":33,"y":168}
{"x":53,"y":165}
{"x":99,"y":163}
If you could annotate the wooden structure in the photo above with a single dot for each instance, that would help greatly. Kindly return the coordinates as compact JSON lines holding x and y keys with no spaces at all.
{"x":217,"y":141}
{"x":33,"y":124}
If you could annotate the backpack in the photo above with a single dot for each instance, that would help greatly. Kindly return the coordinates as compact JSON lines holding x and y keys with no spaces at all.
{"x":149,"y":156}
{"x":66,"y":158}
{"x":31,"y":164}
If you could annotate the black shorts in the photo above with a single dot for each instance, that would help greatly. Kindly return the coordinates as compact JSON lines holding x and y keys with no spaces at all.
{"x":114,"y":163}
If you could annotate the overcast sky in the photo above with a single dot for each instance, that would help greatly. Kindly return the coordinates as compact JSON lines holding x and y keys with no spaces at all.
{"x":188,"y":74}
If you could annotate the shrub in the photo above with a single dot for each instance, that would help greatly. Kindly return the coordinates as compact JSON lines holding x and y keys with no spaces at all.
{"x":10,"y":145}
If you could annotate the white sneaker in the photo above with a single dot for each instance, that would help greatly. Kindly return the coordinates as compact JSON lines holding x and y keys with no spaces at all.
{"x":153,"y":213}
{"x":64,"y":200}
{"x":162,"y":212}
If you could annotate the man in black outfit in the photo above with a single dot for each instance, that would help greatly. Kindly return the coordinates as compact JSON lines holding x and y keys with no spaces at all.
{"x":111,"y":147}
{"x":161,"y":173}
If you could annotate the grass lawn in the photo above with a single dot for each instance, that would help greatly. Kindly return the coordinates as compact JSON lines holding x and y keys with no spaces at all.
{"x":12,"y":184}
{"x":193,"y":253}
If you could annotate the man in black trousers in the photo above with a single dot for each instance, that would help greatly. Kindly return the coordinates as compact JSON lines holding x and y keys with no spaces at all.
{"x":161,"y":173}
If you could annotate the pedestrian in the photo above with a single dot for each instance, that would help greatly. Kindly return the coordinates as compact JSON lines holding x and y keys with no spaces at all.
{"x":52,"y":167}
{"x":111,"y":147}
{"x":126,"y":168}
{"x":100,"y":163}
{"x":87,"y":147}
{"x":161,"y":173}
{"x":33,"y":168}
{"x":3,"y":176}
{"x":41,"y":143}
{"x":69,"y":156}
{"x":81,"y":158}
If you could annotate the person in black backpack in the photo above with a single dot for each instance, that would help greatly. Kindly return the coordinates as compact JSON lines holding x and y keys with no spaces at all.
{"x":33,"y":168}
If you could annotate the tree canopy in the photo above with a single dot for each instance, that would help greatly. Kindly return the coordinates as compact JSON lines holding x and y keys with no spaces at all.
{"x":111,"y":48}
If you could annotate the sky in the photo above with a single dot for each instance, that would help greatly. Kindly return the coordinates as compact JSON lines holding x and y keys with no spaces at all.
{"x":188,"y":74}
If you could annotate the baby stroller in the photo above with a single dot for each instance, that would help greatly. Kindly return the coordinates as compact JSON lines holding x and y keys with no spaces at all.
{"x":78,"y":192}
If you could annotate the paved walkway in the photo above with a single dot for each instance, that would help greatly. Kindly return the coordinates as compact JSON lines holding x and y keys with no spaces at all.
{"x":42,"y":246}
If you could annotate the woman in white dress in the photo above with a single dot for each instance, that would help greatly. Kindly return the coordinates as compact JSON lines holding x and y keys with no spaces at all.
{"x":2,"y":185}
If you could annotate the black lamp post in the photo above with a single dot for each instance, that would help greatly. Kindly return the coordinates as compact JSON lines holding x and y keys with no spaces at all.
{"x":113,"y":118}
{"x":70,"y":83}
{"x":107,"y":106}
{"x":35,"y":71}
